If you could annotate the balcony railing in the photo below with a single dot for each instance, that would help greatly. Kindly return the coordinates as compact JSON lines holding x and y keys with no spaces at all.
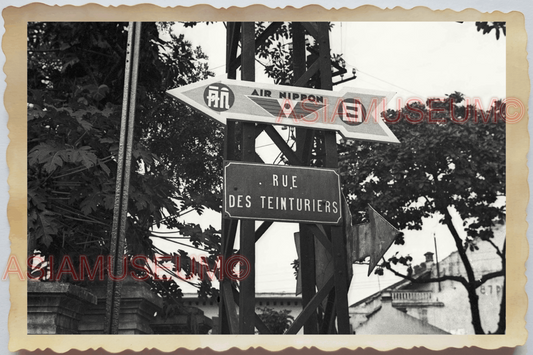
{"x":412,"y":296}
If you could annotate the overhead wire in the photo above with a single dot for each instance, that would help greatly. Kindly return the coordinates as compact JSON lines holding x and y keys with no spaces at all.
{"x":173,"y":241}
{"x":387,"y":82}
{"x":342,"y":47}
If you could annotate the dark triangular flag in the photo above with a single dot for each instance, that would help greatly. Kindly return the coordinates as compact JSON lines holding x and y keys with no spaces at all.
{"x":372,"y":239}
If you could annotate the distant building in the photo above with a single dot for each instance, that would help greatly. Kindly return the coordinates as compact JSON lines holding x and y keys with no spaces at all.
{"x":390,"y":318}
{"x":277,"y":301}
{"x":440,"y":307}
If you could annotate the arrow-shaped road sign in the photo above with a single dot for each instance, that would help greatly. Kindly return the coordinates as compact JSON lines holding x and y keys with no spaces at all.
{"x":354,"y":113}
{"x":371,"y":239}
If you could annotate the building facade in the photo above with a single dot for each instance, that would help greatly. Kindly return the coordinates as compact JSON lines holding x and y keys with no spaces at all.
{"x":443,"y":305}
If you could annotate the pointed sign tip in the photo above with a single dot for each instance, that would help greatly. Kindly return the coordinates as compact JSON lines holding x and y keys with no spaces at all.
{"x":383,"y":235}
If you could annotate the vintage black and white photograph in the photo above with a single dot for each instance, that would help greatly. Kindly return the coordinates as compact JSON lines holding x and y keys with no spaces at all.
{"x":322,"y":181}
{"x":266,"y":177}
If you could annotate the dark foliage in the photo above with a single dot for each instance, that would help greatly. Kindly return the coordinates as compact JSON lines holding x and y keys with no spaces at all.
{"x":276,"y":321}
{"x":75,"y":89}
{"x":486,"y":27}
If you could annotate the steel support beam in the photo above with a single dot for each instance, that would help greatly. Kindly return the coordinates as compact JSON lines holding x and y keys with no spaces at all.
{"x":313,"y":318}
{"x":247,"y":235}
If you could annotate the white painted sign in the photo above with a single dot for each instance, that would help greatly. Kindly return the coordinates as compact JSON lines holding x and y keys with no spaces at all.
{"x":354,"y":113}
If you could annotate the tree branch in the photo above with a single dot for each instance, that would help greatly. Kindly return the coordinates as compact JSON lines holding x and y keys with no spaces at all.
{"x":442,"y":207}
{"x":498,"y":251}
{"x":489,"y":276}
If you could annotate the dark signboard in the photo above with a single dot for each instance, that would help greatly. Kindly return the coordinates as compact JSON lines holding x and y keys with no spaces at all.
{"x":281,"y":193}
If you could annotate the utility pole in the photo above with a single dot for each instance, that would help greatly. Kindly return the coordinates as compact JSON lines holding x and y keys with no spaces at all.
{"x":436,"y":259}
{"x":120,"y":211}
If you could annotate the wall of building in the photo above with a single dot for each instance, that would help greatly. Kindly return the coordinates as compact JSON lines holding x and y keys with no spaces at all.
{"x":450,"y":310}
{"x":390,"y":320}
{"x":456,"y":317}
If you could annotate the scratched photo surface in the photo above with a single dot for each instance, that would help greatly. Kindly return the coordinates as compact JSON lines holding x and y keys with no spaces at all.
{"x":205,"y":178}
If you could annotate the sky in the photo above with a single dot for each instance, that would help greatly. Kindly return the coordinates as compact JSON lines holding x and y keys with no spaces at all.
{"x":412,"y":59}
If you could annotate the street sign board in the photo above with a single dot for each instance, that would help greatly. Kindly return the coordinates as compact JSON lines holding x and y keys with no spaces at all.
{"x":354,"y":113}
{"x":281,"y":193}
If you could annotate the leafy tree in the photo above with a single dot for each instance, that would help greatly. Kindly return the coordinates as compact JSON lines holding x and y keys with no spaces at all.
{"x":487,"y":27}
{"x":440,"y":166}
{"x":275,"y":53}
{"x":75,"y":87}
{"x":276,"y":321}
